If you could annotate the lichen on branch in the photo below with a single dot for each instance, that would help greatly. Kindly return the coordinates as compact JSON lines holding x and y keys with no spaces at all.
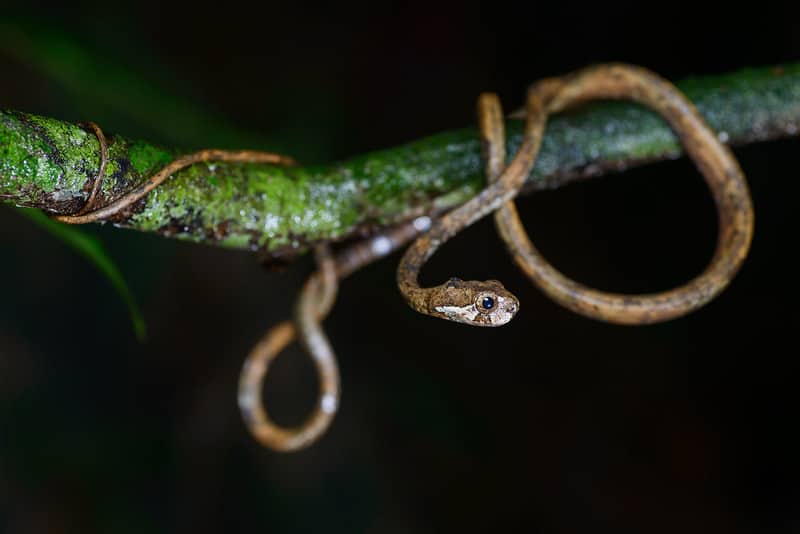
{"x":49,"y":164}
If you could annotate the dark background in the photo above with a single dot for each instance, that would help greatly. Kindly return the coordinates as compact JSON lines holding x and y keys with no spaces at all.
{"x":555,"y":422}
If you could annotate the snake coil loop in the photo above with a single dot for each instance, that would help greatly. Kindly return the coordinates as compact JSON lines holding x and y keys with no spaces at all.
{"x":316,"y":299}
{"x":315,"y":302}
{"x":476,"y":303}
{"x":715,"y":161}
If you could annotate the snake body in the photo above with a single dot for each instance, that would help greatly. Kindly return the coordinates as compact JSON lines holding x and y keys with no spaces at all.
{"x":313,"y":305}
{"x":715,"y":161}
{"x":479,"y":303}
{"x":472,"y":302}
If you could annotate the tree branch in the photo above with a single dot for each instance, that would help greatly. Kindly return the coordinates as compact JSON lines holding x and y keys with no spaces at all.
{"x":49,"y":164}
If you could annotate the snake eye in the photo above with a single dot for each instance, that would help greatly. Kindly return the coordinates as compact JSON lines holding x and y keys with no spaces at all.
{"x":486,"y":302}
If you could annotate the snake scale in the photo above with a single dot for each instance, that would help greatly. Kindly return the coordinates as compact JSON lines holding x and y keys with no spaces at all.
{"x":478,"y":303}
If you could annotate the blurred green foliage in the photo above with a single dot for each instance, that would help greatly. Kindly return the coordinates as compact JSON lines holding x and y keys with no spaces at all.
{"x":91,"y":248}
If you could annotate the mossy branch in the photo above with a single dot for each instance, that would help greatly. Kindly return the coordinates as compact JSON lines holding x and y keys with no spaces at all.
{"x":49,"y":164}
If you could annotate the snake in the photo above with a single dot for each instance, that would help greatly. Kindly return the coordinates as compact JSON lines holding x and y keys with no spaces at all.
{"x":477,"y":303}
{"x":716,"y":162}
{"x":472,"y":302}
{"x":313,"y":305}
{"x":316,"y":298}
{"x":615,"y":81}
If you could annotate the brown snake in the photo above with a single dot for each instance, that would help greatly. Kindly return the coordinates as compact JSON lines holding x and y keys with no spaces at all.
{"x":472,"y":302}
{"x":715,"y":161}
{"x":477,"y":303}
{"x":313,"y":305}
{"x":548,"y":96}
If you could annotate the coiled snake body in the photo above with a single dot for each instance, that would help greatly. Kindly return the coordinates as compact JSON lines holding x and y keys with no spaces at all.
{"x":486,"y":303}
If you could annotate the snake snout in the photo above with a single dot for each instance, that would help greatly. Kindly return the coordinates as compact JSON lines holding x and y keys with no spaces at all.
{"x":507,"y":308}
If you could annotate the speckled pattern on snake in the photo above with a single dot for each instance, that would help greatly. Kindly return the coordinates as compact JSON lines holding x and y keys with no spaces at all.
{"x":715,"y":161}
{"x":477,"y":303}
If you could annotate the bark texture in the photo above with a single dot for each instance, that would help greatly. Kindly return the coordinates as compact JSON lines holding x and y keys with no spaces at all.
{"x":49,"y":164}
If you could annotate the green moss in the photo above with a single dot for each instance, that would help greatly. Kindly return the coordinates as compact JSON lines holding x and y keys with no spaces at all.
{"x":145,"y":158}
{"x":44,"y":161}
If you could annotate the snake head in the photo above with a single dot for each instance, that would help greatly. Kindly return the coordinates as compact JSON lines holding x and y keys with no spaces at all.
{"x":474,"y":303}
